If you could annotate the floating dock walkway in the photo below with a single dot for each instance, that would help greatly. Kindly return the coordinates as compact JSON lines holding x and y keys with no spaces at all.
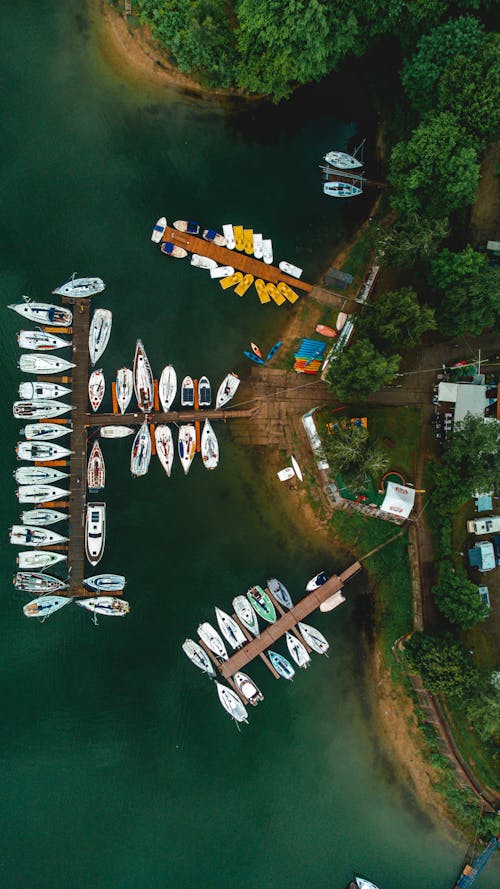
{"x":157,"y":417}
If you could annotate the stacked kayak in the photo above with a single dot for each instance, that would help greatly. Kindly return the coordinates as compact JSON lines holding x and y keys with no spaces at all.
{"x":309,"y":356}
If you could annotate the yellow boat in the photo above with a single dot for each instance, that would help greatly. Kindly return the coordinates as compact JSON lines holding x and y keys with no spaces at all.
{"x":287,"y":292}
{"x":262,"y":293}
{"x":238,"y":237}
{"x":274,"y":293}
{"x":243,"y":286}
{"x":248,"y":240}
{"x":225,"y":283}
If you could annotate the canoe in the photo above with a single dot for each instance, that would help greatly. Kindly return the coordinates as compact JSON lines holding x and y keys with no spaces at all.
{"x":44,"y":475}
{"x":187,"y":392}
{"x":238,"y":237}
{"x":297,"y":651}
{"x":108,"y":583}
{"x":40,"y":450}
{"x":33,"y":582}
{"x":42,"y":517}
{"x":245,"y":613}
{"x":186,"y":445}
{"x":262,"y":293}
{"x":204,"y":392}
{"x":95,"y":531}
{"x":326,"y":331}
{"x":203,"y":262}
{"x":97,"y":385}
{"x":287,"y":292}
{"x":230,"y":629}
{"x":267,"y":251}
{"x":280,"y":592}
{"x":41,"y":391}
{"x":115,"y":431}
{"x":342,"y":161}
{"x":212,"y":640}
{"x":341,"y":320}
{"x":185,"y":225}
{"x":44,"y":606}
{"x":341,"y":190}
{"x":261,"y":603}
{"x":275,"y":295}
{"x":38,"y":559}
{"x":314,"y":638}
{"x":316,"y":581}
{"x":198,"y":656}
{"x":124,"y":388}
{"x":43,"y":313}
{"x":248,"y":689}
{"x":209,"y":447}
{"x":229,"y":236}
{"x":227,"y":389}
{"x":290,"y":269}
{"x":167,"y":388}
{"x":256,"y":350}
{"x":254,"y":358}
{"x":281,"y":664}
{"x":99,"y":333}
{"x":272,"y":352}
{"x":231,"y":280}
{"x":297,"y":469}
{"x":143,"y":379}
{"x":257,"y":245}
{"x":42,"y":363}
{"x":96,"y":469}
{"x":39,"y":493}
{"x":170,"y":249}
{"x":106,"y":605}
{"x":34,"y":535}
{"x":140,"y":454}
{"x":45,"y":431}
{"x":158,"y":230}
{"x":231,"y":703}
{"x":222,"y":271}
{"x":248,"y":241}
{"x":165,"y":447}
{"x":40,"y":341}
{"x":77,"y":288}
{"x":214,"y":237}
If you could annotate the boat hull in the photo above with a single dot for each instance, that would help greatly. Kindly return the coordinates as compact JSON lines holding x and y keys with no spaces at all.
{"x":167,"y":389}
{"x":106,"y":583}
{"x":231,"y":703}
{"x":314,"y":638}
{"x":35,"y":535}
{"x":212,"y":640}
{"x":282,"y":665}
{"x":115,"y":431}
{"x":38,"y":559}
{"x":227,"y":390}
{"x":261,"y":603}
{"x":143,"y":379}
{"x":99,"y":333}
{"x":165,"y":447}
{"x":106,"y":605}
{"x":40,"y":341}
{"x":44,"y":313}
{"x":124,"y":388}
{"x":44,"y":409}
{"x":95,"y":532}
{"x":230,"y":629}
{"x":45,"y":431}
{"x":78,"y":288}
{"x":198,"y":656}
{"x":248,"y":689}
{"x":96,"y":469}
{"x":97,"y":385}
{"x":209,"y":447}
{"x":43,"y":475}
{"x":280,"y":592}
{"x":43,"y":517}
{"x":297,"y":650}
{"x":140,"y":455}
{"x":187,"y":446}
{"x":246,"y":614}
{"x":40,"y":450}
{"x":204,"y":392}
{"x":44,"y":606}
{"x":34,"y":582}
{"x":40,"y":493}
{"x":158,"y":230}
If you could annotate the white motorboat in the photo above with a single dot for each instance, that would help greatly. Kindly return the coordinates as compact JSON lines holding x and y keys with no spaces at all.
{"x":45,"y":431}
{"x":290,"y":269}
{"x":297,"y":650}
{"x":336,"y":189}
{"x":209,"y":447}
{"x":46,"y":409}
{"x":40,"y":450}
{"x":31,"y":535}
{"x":158,"y":230}
{"x":165,"y":447}
{"x":107,"y":605}
{"x":212,"y":640}
{"x":167,"y":388}
{"x":198,"y":656}
{"x":187,"y":445}
{"x":43,"y":313}
{"x":203,"y":262}
{"x":222,"y":271}
{"x":40,"y":391}
{"x":361,"y":883}
{"x":115,"y":431}
{"x":40,"y":493}
{"x":230,"y":629}
{"x":185,"y":225}
{"x":143,"y":379}
{"x":248,"y":689}
{"x":124,"y":388}
{"x":229,"y":236}
{"x":282,"y":665}
{"x":39,"y":363}
{"x":246,"y":614}
{"x":95,"y":532}
{"x":44,"y":606}
{"x":209,"y":234}
{"x":231,"y":703}
{"x":258,"y":250}
{"x":140,"y":454}
{"x":97,"y":385}
{"x":96,"y":469}
{"x":99,"y":333}
{"x":267,"y":251}
{"x":32,"y":582}
{"x":341,"y":320}
{"x":40,"y":341}
{"x":342,"y":161}
{"x":171,"y":249}
{"x":187,"y":392}
{"x":44,"y":475}
{"x":316,"y":581}
{"x":280,"y":592}
{"x":38,"y":558}
{"x":105,"y":583}
{"x":204,"y":392}
{"x":42,"y":517}
{"x":80,"y":287}
{"x":314,"y":638}
{"x":227,"y":389}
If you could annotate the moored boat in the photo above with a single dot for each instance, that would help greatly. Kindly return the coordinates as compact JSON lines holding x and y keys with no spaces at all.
{"x":44,"y":606}
{"x":37,"y":558}
{"x":171,"y":249}
{"x":45,"y":431}
{"x":222,"y":271}
{"x":204,"y":392}
{"x":107,"y":605}
{"x":33,"y":582}
{"x":262,"y":293}
{"x":43,"y":313}
{"x":44,"y":475}
{"x":167,"y":389}
{"x":361,"y":883}
{"x":274,"y":293}
{"x":198,"y":656}
{"x":248,"y":241}
{"x":41,"y":391}
{"x":341,"y":320}
{"x":229,"y":236}
{"x":42,"y":516}
{"x":212,"y":640}
{"x":252,"y":357}
{"x":297,"y":650}
{"x":267,"y":251}
{"x":290,"y":269}
{"x":342,"y":160}
{"x":203,"y":262}
{"x":230,"y":629}
{"x":143,"y":379}
{"x":231,"y":703}
{"x":106,"y":583}
{"x":165,"y":447}
{"x":209,"y":447}
{"x":214,"y":237}
{"x":238,"y":237}
{"x":43,"y":363}
{"x":124,"y":388}
{"x":40,"y":341}
{"x":40,"y":450}
{"x":115,"y":431}
{"x":96,"y":469}
{"x":287,"y":292}
{"x":273,"y":350}
{"x":244,"y":285}
{"x":80,"y":287}
{"x":280,"y":592}
{"x":245,"y":613}
{"x":248,"y":689}
{"x":33,"y":535}
{"x":227,"y":389}
{"x":188,"y":226}
{"x":187,"y":445}
{"x":260,"y":601}
{"x":95,"y":531}
{"x":316,"y":581}
{"x":314,"y":638}
{"x":140,"y":455}
{"x":281,"y":664}
{"x":187,"y":392}
{"x":158,"y":230}
{"x":296,"y":468}
{"x":341,"y":189}
{"x":46,"y":409}
{"x":40,"y":493}
{"x":257,"y":245}
{"x":99,"y":333}
{"x":255,"y":349}
{"x":97,"y":385}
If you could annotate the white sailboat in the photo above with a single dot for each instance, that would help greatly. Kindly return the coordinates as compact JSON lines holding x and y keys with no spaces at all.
{"x":209,"y":447}
{"x":140,"y":455}
{"x":167,"y":388}
{"x":97,"y":385}
{"x":105,"y":583}
{"x":187,"y":445}
{"x":106,"y":605}
{"x":342,"y":161}
{"x":44,"y":606}
{"x":45,"y":431}
{"x":212,"y":640}
{"x":230,"y":629}
{"x":46,"y":409}
{"x":314,"y":638}
{"x":38,"y":558}
{"x":198,"y":656}
{"x":41,"y":391}
{"x":42,"y":363}
{"x":297,"y":650}
{"x":42,"y":517}
{"x":40,"y":493}
{"x":124,"y":388}
{"x":96,"y":469}
{"x":165,"y":447}
{"x":40,"y":341}
{"x":43,"y":313}
{"x":338,"y":189}
{"x":99,"y":333}
{"x":246,"y":614}
{"x":44,"y":475}
{"x":33,"y":582}
{"x":280,"y":592}
{"x":40,"y":450}
{"x":32,"y":535}
{"x":143,"y":379}
{"x":231,"y":703}
{"x":95,"y":531}
{"x":227,"y":389}
{"x":80,"y":287}
{"x":361,"y":883}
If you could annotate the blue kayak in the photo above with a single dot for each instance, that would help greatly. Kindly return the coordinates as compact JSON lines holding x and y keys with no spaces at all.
{"x":254,"y":357}
{"x":272,"y":352}
{"x":281,"y":665}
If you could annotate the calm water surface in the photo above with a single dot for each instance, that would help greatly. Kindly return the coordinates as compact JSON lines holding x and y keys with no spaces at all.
{"x":119,"y":768}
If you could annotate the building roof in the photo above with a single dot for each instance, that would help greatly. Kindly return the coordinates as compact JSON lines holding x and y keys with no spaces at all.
{"x":447,"y":392}
{"x":398,"y":500}
{"x":484,"y":502}
{"x":470,"y":400}
{"x":482,"y":556}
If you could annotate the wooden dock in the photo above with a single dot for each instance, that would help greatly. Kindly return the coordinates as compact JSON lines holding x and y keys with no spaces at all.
{"x":239,"y":261}
{"x":157,"y":417}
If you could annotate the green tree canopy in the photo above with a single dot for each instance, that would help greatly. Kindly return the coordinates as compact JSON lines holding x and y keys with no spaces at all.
{"x":483,"y":710}
{"x":470,"y":463}
{"x":457,"y":598}
{"x":469,"y":291}
{"x":435,"y":171}
{"x":360,"y":370}
{"x":444,"y":664}
{"x":470,"y":88}
{"x":410,"y":240}
{"x":396,"y":320}
{"x":348,"y":450}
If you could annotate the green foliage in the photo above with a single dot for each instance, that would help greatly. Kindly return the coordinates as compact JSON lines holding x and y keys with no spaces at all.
{"x":410,"y":240}
{"x":470,"y":89}
{"x":444,"y":664}
{"x":471,"y":463}
{"x":457,"y":598}
{"x":483,"y":711}
{"x":469,"y":291}
{"x":396,"y":319}
{"x":360,"y":370}
{"x":349,"y":451}
{"x":436,"y":170}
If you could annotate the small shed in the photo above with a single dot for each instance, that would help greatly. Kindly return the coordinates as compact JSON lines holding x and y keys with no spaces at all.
{"x":484,"y":502}
{"x":482,"y":556}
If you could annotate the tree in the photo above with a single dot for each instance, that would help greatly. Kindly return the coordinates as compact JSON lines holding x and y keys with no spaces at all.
{"x":360,"y":370}
{"x":409,"y":240}
{"x":436,"y":170}
{"x":444,"y":664}
{"x":470,"y":88}
{"x":483,"y":710}
{"x":469,"y":291}
{"x":457,"y":598}
{"x":396,"y":319}
{"x":348,"y":450}
{"x":474,"y":451}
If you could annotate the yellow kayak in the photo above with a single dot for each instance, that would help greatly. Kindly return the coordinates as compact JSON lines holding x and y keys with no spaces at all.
{"x":287,"y":292}
{"x":225,"y":283}
{"x":262,"y":291}
{"x":274,"y":293}
{"x":243,"y":286}
{"x":248,"y":240}
{"x":238,"y":237}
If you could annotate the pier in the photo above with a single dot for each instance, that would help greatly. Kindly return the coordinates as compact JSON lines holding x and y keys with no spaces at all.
{"x":157,"y":417}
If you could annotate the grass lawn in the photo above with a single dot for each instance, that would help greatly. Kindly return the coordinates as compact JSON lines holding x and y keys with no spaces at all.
{"x":478,"y":753}
{"x":358,"y":259}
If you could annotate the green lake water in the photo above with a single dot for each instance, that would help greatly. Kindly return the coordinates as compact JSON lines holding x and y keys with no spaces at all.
{"x":119,"y":767}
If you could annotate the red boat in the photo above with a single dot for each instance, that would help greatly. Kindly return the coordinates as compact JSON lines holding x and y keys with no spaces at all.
{"x":325,"y":331}
{"x":255,"y":349}
{"x":96,"y":469}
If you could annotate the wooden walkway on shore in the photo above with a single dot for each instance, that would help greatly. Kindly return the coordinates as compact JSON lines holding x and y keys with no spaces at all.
{"x":241,"y":262}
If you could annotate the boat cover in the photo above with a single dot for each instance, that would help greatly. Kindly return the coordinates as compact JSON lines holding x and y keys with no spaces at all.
{"x":210,"y":234}
{"x":193,"y":228}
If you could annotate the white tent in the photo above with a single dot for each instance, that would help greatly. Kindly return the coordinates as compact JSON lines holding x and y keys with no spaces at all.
{"x":398,"y":500}
{"x":447,"y":392}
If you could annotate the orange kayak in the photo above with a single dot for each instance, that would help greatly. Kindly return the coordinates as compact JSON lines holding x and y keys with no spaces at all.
{"x":325,"y":331}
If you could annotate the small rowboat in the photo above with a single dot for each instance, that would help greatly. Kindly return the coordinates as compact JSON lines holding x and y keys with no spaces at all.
{"x":272,"y":352}
{"x":96,"y":469}
{"x":204,"y":392}
{"x":167,"y":388}
{"x":230,"y":629}
{"x":33,"y":582}
{"x":115,"y":431}
{"x":198,"y":656}
{"x":107,"y":605}
{"x":267,"y":251}
{"x":203,"y":262}
{"x":238,"y":237}
{"x":143,"y":379}
{"x":254,"y":358}
{"x":227,"y":390}
{"x":314,"y":638}
{"x":256,"y":350}
{"x":40,"y":341}
{"x":43,"y":313}
{"x":209,"y":447}
{"x":38,"y":363}
{"x":231,"y":703}
{"x":342,"y":161}
{"x":184,"y":225}
{"x":44,"y":606}
{"x":170,"y":249}
{"x":248,"y":689}
{"x":325,"y":331}
{"x":260,"y":601}
{"x":275,"y":295}
{"x":187,"y":446}
{"x":96,"y":389}
{"x":124,"y":388}
{"x":42,"y":517}
{"x":40,"y":450}
{"x":187,"y":392}
{"x":257,"y":246}
{"x":99,"y":333}
{"x":32,"y":475}
{"x":246,"y":614}
{"x":341,"y":190}
{"x":287,"y":292}
{"x":229,"y":236}
{"x":165,"y":447}
{"x":105,"y":583}
{"x":212,"y":640}
{"x":158,"y":230}
{"x":281,"y":664}
{"x":341,"y":320}
{"x":140,"y":455}
{"x":297,"y":650}
{"x":38,"y":559}
{"x":262,"y":293}
{"x":214,"y":237}
{"x":222,"y":271}
{"x":243,"y":286}
{"x":45,"y":431}
{"x":231,"y":280}
{"x":280,"y":592}
{"x":248,"y":240}
{"x":290,"y":269}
